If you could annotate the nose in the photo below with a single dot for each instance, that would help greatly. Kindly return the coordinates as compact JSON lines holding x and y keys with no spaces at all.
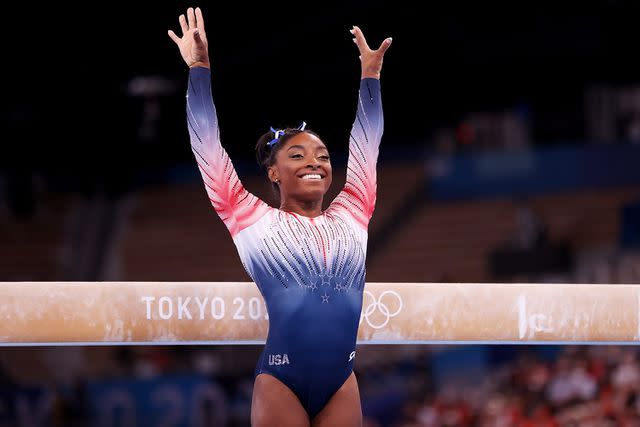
{"x":313,"y":162}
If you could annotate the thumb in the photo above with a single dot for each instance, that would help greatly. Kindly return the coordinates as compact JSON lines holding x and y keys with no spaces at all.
{"x":173,"y":36}
{"x":385,"y":45}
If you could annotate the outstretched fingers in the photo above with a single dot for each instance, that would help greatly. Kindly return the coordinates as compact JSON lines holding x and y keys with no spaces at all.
{"x":359,"y":39}
{"x":193,"y":20}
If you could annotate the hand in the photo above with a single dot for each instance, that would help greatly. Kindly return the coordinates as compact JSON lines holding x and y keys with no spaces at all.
{"x":193,"y":44}
{"x":371,"y":60}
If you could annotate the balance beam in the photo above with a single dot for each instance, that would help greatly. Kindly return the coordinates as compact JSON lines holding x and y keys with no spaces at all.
{"x":128,"y":313}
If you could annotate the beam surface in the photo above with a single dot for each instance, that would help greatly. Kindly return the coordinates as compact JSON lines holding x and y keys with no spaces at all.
{"x":103,"y":313}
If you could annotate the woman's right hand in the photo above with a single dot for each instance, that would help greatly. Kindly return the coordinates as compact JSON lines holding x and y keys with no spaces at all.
{"x":193,"y":44}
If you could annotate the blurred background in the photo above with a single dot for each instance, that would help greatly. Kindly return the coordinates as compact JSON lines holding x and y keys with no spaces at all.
{"x":511,"y":154}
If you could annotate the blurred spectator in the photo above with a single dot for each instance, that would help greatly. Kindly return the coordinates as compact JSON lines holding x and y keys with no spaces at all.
{"x":531,"y":231}
{"x":626,"y":375}
{"x":529,"y":251}
{"x":501,"y":130}
{"x":587,"y":386}
{"x":612,"y":113}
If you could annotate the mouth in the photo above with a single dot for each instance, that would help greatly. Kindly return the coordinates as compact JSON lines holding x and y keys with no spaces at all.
{"x":311,"y":176}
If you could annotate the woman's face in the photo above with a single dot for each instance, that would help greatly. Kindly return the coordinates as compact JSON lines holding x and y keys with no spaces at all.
{"x":303,"y":168}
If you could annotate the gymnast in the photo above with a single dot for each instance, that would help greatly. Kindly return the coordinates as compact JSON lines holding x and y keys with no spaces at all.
{"x":309,"y":264}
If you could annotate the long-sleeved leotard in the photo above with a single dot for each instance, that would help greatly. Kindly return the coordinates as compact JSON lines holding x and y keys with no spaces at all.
{"x":310,"y":271}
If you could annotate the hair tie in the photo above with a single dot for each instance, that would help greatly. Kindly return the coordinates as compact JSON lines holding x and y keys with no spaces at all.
{"x":279,"y":132}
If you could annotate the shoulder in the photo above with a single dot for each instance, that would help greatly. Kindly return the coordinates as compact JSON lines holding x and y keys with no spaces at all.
{"x":339,"y":212}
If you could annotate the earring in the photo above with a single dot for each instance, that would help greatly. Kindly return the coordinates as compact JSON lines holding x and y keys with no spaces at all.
{"x":277,"y":181}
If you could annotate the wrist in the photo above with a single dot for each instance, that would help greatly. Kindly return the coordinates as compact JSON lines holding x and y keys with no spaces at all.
{"x":204,"y":64}
{"x":370,"y":75}
{"x":370,"y":71}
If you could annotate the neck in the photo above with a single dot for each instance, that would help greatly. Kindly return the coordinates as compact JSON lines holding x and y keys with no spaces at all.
{"x":311,"y":208}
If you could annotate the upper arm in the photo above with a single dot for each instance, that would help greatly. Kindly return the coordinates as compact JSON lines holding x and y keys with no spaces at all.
{"x":237,"y":208}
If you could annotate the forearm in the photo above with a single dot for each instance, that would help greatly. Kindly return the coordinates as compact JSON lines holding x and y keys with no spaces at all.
{"x":366,"y":135}
{"x":201,"y":111}
{"x":367,"y":129}
{"x":369,"y":116}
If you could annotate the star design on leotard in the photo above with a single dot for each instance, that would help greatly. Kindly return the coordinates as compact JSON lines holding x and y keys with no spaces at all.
{"x":314,"y":278}
{"x":326,"y":279}
{"x":325,"y":297}
{"x":313,"y":286}
{"x":337,"y":282}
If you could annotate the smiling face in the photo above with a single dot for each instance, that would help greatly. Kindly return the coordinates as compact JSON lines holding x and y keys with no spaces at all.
{"x":303,"y":168}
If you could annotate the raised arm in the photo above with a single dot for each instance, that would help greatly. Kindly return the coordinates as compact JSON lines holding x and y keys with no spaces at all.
{"x":359,"y":194}
{"x":237,"y":208}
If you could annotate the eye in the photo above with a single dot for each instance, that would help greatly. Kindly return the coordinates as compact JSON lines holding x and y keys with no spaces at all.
{"x":296,"y":156}
{"x":324,"y":157}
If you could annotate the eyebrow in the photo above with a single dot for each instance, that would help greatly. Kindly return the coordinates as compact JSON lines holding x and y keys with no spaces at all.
{"x":302,"y":147}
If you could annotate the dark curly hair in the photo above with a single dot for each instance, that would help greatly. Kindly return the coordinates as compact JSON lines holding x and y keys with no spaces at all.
{"x":266,"y":155}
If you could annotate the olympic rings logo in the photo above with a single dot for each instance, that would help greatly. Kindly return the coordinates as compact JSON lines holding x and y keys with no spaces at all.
{"x":382,"y":307}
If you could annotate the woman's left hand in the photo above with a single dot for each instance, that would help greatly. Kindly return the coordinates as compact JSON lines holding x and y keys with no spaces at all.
{"x":371,"y":60}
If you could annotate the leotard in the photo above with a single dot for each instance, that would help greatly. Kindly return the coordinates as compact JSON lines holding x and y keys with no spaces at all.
{"x":310,"y":271}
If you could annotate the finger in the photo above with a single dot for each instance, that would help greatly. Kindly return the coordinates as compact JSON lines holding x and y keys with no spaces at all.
{"x":199,"y":19}
{"x":191,"y":18}
{"x":385,"y":45}
{"x":183,"y":24}
{"x":173,"y":36}
{"x":360,"y":40}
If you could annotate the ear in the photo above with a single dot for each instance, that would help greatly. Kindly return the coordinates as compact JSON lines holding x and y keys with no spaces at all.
{"x":272,"y":173}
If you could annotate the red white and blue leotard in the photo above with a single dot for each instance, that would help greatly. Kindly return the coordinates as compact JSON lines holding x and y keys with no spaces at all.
{"x":310,"y":271}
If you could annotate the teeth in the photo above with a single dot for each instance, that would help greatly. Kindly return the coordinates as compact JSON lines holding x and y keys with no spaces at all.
{"x":311,"y":176}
